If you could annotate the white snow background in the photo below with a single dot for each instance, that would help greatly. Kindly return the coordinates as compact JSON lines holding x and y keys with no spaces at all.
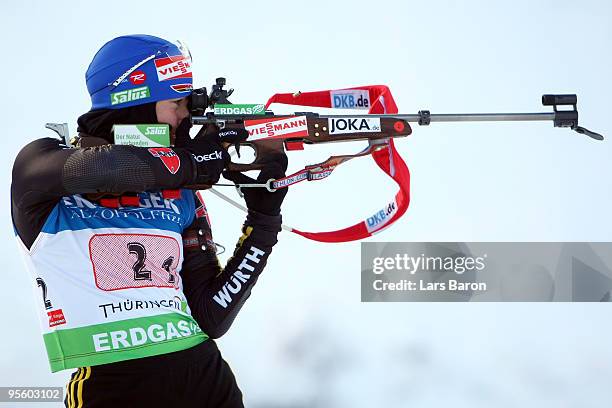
{"x":304,"y":339}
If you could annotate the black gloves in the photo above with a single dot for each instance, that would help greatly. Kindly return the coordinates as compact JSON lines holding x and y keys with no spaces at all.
{"x":206,"y":149}
{"x":210,"y":158}
{"x":259,"y":199}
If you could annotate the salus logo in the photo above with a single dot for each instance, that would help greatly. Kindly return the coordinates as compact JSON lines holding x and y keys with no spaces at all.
{"x":153,"y":135}
{"x":239,"y":109}
{"x":130,"y":95}
{"x":154,"y":129}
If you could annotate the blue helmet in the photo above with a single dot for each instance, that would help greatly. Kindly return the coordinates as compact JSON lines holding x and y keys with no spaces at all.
{"x":137,"y":69}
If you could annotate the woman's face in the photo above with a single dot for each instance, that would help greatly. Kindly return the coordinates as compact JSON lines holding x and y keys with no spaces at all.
{"x":172,"y":112}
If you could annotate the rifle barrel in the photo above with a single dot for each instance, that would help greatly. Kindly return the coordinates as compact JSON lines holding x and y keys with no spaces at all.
{"x":443,"y":117}
{"x":464,"y":117}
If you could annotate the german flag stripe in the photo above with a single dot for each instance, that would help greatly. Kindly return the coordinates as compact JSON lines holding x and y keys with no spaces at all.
{"x":74,"y":388}
{"x":70,"y":386}
{"x":80,"y":387}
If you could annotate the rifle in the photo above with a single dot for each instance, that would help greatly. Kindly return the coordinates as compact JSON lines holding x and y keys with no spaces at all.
{"x":270,"y":133}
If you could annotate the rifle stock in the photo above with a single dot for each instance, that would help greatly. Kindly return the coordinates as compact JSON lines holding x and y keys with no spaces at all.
{"x":276,"y":133}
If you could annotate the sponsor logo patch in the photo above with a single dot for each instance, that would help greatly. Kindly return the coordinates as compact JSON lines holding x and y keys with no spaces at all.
{"x":287,"y":181}
{"x":138,"y":77}
{"x":207,"y":157}
{"x":191,"y":241}
{"x":142,"y":135}
{"x":321,"y":174}
{"x":382,"y":217}
{"x":56,"y":317}
{"x":128,"y":305}
{"x":239,"y":278}
{"x":137,"y":337}
{"x":181,"y":88}
{"x":130,"y":95}
{"x":280,"y":127}
{"x":350,"y":99}
{"x":168,"y":157}
{"x":339,"y":126}
{"x":239,"y":109}
{"x":228,"y":133}
{"x":173,"y":68}
{"x":201,"y":211}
